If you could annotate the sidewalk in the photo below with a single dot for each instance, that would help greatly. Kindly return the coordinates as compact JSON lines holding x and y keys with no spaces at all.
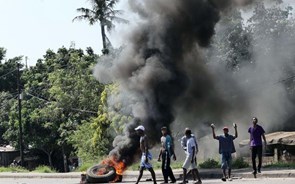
{"x":205,"y":173}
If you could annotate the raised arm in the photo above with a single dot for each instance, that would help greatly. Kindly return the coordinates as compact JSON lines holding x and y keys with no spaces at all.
{"x":213,"y":131}
{"x":236,"y":130}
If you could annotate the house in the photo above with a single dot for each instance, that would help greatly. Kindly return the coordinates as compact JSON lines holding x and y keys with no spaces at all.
{"x":280,"y":146}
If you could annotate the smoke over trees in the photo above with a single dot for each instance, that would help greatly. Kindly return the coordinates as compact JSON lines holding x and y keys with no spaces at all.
{"x":171,"y":71}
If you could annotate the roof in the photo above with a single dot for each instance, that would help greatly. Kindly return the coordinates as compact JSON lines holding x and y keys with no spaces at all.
{"x":283,"y":138}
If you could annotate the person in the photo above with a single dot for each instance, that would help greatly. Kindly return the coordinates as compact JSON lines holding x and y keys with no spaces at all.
{"x":184,"y":141}
{"x":226,"y":148}
{"x":190,"y":160}
{"x":256,"y":132}
{"x":166,"y":152}
{"x":146,"y":155}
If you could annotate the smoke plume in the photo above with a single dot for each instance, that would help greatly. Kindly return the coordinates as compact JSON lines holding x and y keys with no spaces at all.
{"x":163,"y":77}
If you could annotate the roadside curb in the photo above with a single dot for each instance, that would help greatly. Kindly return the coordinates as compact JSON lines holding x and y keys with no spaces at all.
{"x":204,"y":173}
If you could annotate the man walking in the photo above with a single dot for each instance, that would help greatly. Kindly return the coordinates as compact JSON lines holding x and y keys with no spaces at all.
{"x":256,"y":132}
{"x":146,"y":155}
{"x":166,"y":152}
{"x":226,"y":148}
{"x":190,"y":160}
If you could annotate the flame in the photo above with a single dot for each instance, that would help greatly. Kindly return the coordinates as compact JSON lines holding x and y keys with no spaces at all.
{"x":119,"y":166}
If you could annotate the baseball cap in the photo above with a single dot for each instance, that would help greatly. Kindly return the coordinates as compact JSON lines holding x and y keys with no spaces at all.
{"x":225,"y":128}
{"x":140,"y":127}
{"x":164,"y":128}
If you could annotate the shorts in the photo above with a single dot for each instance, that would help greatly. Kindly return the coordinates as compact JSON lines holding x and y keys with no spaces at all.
{"x":226,"y":160}
{"x":188,"y":163}
{"x":146,"y":165}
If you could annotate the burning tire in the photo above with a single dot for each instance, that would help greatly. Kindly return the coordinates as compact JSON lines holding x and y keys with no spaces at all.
{"x":100,"y":174}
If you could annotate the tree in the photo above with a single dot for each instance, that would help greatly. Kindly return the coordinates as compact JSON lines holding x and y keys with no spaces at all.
{"x":102,"y":11}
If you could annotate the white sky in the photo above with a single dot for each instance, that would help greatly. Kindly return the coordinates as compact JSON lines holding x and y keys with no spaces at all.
{"x":30,"y":27}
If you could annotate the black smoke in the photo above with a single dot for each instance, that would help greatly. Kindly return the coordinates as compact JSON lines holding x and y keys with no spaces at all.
{"x":161,"y":67}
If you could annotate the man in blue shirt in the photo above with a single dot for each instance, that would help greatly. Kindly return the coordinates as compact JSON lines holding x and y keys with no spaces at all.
{"x":166,"y":152}
{"x":226,"y":148}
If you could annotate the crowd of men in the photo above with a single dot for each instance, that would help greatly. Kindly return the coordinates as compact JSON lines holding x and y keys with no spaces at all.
{"x":190,"y":146}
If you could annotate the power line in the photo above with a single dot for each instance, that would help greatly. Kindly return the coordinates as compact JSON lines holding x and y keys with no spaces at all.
{"x":74,"y":109}
{"x":8,"y":73}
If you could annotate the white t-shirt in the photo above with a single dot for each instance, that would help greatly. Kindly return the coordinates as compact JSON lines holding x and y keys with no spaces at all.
{"x":189,"y":145}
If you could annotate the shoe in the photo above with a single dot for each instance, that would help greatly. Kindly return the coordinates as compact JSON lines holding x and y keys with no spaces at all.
{"x":230,"y":179}
{"x":259,"y":170}
{"x":223,"y":179}
{"x":173,"y":181}
{"x":254,"y":172}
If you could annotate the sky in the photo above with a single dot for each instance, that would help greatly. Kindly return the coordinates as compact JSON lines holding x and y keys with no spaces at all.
{"x":30,"y":27}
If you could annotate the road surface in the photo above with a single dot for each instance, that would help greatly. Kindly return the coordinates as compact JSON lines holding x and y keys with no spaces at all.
{"x":132,"y":180}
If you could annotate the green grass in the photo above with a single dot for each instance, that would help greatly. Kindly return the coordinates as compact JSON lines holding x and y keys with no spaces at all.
{"x":13,"y":169}
{"x":44,"y":169}
{"x":157,"y":165}
{"x":85,"y":166}
{"x":281,"y":165}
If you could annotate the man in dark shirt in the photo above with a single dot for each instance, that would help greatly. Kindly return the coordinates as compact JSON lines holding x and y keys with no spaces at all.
{"x":256,"y":132}
{"x":226,"y":148}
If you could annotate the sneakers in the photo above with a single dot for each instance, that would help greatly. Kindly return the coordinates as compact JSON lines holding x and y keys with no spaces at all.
{"x":223,"y":179}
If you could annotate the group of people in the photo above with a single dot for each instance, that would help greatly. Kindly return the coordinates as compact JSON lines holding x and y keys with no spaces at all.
{"x":190,"y":146}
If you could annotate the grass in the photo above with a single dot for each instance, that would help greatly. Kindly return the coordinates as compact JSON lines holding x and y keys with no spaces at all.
{"x":13,"y":169}
{"x":84,"y":167}
{"x":157,"y":165}
{"x":281,"y":165}
{"x":44,"y":169}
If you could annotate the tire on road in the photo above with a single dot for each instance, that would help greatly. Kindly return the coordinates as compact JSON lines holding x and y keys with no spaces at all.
{"x":93,"y":177}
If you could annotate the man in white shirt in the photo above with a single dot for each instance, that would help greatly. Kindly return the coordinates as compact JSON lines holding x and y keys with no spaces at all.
{"x":190,"y":160}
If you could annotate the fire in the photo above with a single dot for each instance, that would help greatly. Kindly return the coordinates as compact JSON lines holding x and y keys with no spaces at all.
{"x":119,"y":166}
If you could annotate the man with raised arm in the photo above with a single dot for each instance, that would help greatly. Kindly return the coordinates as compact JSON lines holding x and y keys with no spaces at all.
{"x":226,"y":148}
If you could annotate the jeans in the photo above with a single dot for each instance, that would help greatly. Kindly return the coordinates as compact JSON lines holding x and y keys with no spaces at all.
{"x":256,"y":150}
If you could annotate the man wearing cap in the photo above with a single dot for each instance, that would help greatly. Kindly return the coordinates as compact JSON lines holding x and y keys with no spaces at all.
{"x":226,"y":148}
{"x":256,"y":132}
{"x":146,"y":155}
{"x":166,"y":152}
{"x":190,"y":160}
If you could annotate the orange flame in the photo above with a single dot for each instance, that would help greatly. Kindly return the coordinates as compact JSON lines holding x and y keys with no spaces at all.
{"x":119,"y":166}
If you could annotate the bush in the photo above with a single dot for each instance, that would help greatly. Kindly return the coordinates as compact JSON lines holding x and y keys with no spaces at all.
{"x":209,"y":164}
{"x":239,"y":163}
{"x":85,"y":166}
{"x":281,"y":165}
{"x":44,"y":169}
{"x":13,"y":169}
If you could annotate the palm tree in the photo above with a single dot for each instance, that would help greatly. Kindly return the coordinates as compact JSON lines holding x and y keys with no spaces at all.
{"x":102,"y":11}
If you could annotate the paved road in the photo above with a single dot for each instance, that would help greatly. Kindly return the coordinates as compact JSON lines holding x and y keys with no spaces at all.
{"x":132,"y":180}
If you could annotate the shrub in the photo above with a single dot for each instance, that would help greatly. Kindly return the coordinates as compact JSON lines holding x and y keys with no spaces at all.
{"x":13,"y":169}
{"x":44,"y":169}
{"x":239,"y":163}
{"x":289,"y":165}
{"x":85,"y":166}
{"x":209,"y":164}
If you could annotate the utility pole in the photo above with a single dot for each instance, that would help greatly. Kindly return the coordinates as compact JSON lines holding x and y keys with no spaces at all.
{"x":20,"y":116}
